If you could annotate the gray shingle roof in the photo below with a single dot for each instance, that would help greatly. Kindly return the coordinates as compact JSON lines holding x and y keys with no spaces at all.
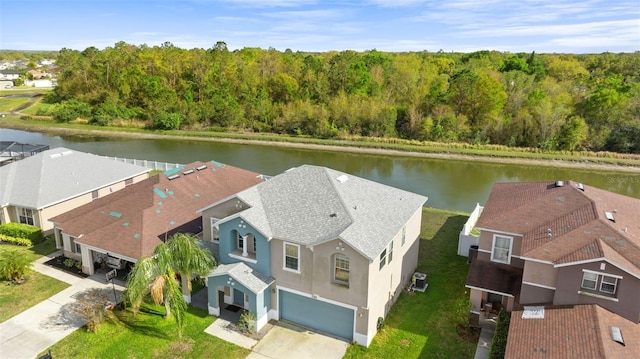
{"x":246,"y":276}
{"x":56,"y":175}
{"x":309,"y":205}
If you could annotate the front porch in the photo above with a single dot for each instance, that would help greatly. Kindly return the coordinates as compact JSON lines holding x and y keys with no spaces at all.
{"x":236,"y":288}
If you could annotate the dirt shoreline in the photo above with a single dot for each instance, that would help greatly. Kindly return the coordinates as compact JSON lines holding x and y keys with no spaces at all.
{"x":375,"y":151}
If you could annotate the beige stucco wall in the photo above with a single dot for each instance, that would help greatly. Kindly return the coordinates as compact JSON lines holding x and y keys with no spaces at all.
{"x":220,"y":211}
{"x":540,"y":273}
{"x":62,"y":207}
{"x":386,"y":284}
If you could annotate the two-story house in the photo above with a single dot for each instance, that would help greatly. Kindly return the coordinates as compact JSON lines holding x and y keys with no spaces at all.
{"x":557,"y":244}
{"x":54,"y":181}
{"x":317,"y":247}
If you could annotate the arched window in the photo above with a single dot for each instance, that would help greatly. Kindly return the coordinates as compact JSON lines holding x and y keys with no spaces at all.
{"x":341,"y":269}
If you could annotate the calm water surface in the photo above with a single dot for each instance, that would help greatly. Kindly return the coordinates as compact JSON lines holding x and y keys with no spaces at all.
{"x":449,"y":184}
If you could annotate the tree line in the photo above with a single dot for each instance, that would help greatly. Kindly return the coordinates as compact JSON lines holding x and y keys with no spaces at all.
{"x":547,"y":101}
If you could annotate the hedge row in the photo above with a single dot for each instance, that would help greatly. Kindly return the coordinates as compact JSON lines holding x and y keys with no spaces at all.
{"x":499,"y":342}
{"x":22,"y":231}
{"x":16,"y":240}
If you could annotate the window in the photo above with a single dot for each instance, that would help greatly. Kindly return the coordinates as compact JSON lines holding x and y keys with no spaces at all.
{"x":95,"y":194}
{"x":589,"y":280}
{"x":240,"y":241}
{"x":341,"y":269}
{"x":75,"y":247}
{"x":608,"y":284}
{"x":25,"y":216}
{"x":501,"y":249}
{"x":254,"y":244}
{"x":390,"y":256}
{"x":594,"y":281}
{"x":404,"y":236}
{"x":215,"y":232}
{"x":383,"y":258}
{"x":291,"y":257}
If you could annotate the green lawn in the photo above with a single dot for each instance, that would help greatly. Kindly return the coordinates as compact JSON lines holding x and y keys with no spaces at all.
{"x":9,"y":104}
{"x":15,"y":299}
{"x":425,"y":325}
{"x":148,"y":335}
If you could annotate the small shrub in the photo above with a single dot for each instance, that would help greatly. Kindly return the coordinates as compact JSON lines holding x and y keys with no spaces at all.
{"x":19,"y":230}
{"x":16,"y":240}
{"x":499,"y":342}
{"x":380,"y":323}
{"x":91,"y":306}
{"x":247,"y":321}
{"x":14,"y":265}
{"x":69,"y":262}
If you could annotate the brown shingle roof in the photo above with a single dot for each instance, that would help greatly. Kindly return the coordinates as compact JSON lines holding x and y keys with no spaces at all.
{"x":133,"y":221}
{"x":581,"y":331}
{"x":566,"y":224}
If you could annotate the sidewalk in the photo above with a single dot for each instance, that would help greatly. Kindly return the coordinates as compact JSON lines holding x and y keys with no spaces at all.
{"x":33,"y":331}
{"x":488,"y":326}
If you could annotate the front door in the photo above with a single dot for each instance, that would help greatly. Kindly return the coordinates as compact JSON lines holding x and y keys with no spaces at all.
{"x":238,"y":298}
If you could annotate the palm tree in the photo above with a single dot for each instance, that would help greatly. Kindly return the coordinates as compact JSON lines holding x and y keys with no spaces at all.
{"x":14,"y":265}
{"x":156,"y":275}
{"x":189,"y":259}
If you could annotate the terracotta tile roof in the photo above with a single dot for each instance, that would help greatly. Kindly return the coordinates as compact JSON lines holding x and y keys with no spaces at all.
{"x":581,"y":331}
{"x":133,"y":221}
{"x":496,"y":277}
{"x":566,"y":224}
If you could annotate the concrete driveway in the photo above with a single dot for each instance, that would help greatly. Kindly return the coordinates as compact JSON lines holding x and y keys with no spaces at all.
{"x":289,"y":341}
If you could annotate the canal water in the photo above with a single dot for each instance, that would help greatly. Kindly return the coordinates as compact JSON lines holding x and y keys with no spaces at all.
{"x":449,"y":184}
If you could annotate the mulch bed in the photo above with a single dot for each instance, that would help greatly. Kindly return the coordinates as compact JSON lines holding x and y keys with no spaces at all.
{"x":58,"y":262}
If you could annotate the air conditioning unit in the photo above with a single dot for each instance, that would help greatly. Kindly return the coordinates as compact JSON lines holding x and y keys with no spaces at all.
{"x":420,"y":281}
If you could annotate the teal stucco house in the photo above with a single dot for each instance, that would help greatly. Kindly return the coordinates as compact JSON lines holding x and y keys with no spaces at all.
{"x":314,"y":246}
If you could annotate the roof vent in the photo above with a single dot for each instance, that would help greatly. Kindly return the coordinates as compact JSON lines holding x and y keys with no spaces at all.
{"x":200,"y":168}
{"x":55,"y":155}
{"x":67,"y":153}
{"x":533,"y":312}
{"x":188,"y":172}
{"x":617,"y":335}
{"x":580,"y":187}
{"x":343,"y":178}
{"x":609,"y":216}
{"x":172,"y":177}
{"x":559,"y":183}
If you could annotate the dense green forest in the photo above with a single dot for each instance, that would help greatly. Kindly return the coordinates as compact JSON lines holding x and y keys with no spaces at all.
{"x":547,"y":101}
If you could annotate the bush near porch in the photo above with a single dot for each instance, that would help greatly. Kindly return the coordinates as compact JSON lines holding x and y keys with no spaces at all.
{"x":430,"y":324}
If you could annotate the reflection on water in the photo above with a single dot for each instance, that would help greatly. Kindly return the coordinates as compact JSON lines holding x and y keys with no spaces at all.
{"x":449,"y":184}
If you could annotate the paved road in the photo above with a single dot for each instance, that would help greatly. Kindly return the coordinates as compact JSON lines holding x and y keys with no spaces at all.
{"x":39,"y":327}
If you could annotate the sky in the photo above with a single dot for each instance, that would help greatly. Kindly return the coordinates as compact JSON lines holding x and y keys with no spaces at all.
{"x":543,"y":26}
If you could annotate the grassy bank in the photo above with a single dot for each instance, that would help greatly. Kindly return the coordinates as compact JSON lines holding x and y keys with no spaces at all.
{"x":426,"y":325}
{"x":387,"y":146}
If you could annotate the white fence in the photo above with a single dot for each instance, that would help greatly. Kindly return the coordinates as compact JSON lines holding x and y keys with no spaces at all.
{"x":154,"y":165}
{"x":466,"y":238}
